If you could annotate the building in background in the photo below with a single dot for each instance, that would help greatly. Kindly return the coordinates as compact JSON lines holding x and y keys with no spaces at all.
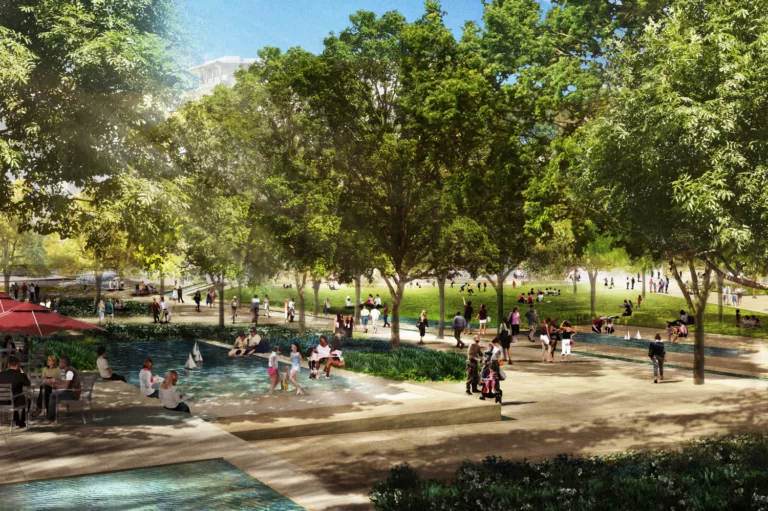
{"x":216,"y":72}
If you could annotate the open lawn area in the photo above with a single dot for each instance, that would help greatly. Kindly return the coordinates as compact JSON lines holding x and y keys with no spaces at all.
{"x":654,"y":311}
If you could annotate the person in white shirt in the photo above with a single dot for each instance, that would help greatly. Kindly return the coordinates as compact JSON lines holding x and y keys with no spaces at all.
{"x":375,"y":319}
{"x":364,"y":314}
{"x":147,"y":381}
{"x":727,"y":295}
{"x":255,"y":304}
{"x":348,"y":302}
{"x":170,"y":396}
{"x":164,"y":312}
{"x":266,"y":305}
{"x":377,"y":301}
{"x":322,"y":353}
{"x":103,"y":366}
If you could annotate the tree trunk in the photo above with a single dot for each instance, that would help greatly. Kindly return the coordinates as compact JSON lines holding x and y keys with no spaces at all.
{"x":239,"y":293}
{"x":7,"y":280}
{"x":220,"y":287}
{"x":720,"y":285}
{"x":301,"y":283}
{"x":97,"y":277}
{"x":357,"y":298}
{"x":162,"y":284}
{"x":499,"y":299}
{"x":592,"y":292}
{"x":316,"y":288}
{"x":701,"y":291}
{"x":643,"y":274}
{"x":396,"y":292}
{"x":441,"y":319}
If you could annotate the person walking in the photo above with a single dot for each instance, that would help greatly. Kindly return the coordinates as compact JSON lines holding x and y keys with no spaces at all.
{"x":255,"y":304}
{"x":295,"y":368}
{"x":272,"y":369}
{"x":568,"y":334}
{"x":505,"y":338}
{"x":365,"y":314}
{"x":100,"y":309}
{"x":468,"y":310}
{"x":175,"y":295}
{"x":375,"y":319}
{"x":633,"y":282}
{"x":482,"y":317}
{"x":473,"y":358}
{"x":385,"y":315}
{"x":658,"y":354}
{"x":180,"y":293}
{"x":459,"y":324}
{"x":266,"y":305}
{"x":197,"y":298}
{"x":627,"y":283}
{"x":532,"y":317}
{"x":155,"y":310}
{"x":514,"y":323}
{"x":164,"y":312}
{"x":422,"y":325}
{"x":327,"y":306}
{"x":233,"y":304}
{"x":109,"y":310}
{"x":544,"y":339}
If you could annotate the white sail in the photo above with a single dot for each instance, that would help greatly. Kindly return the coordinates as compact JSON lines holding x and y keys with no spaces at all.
{"x":196,"y":353}
{"x":190,"y":363}
{"x":627,"y":337}
{"x":638,"y":336}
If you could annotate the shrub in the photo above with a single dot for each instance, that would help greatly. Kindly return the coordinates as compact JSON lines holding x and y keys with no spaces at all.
{"x":715,"y":473}
{"x":83,"y":307}
{"x":408,"y":363}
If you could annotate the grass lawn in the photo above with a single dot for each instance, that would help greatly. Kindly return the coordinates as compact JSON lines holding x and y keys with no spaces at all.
{"x":655,"y":309}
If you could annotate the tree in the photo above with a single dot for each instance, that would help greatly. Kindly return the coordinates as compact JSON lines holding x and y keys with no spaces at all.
{"x":600,"y":254}
{"x":85,"y":78}
{"x":681,"y":146}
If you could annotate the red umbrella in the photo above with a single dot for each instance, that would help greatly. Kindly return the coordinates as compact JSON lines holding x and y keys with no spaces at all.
{"x":7,"y":302}
{"x":29,"y":318}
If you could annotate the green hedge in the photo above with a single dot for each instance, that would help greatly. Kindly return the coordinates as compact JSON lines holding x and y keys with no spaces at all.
{"x":409,"y":363}
{"x":83,"y":307}
{"x":707,"y":474}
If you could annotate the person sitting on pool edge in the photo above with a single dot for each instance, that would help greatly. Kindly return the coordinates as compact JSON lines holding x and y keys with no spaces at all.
{"x":170,"y":396}
{"x":104,"y":370}
{"x":336,"y":360}
{"x":147,"y":381}
{"x":322,"y":352}
{"x":255,"y":343}
{"x":241,"y":346}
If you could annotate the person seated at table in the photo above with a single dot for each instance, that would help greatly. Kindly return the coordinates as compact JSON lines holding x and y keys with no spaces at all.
{"x":336,"y":360}
{"x":147,"y":381}
{"x":597,"y":325}
{"x":170,"y":396}
{"x":66,"y":389}
{"x":18,"y":381}
{"x":50,"y":374}
{"x":241,"y":346}
{"x":8,"y":345}
{"x":103,"y":366}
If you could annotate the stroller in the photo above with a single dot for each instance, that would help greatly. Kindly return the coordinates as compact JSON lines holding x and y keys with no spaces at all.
{"x":490,"y":381}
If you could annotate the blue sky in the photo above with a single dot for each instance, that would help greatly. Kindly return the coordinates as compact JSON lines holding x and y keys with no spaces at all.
{"x":242,"y":27}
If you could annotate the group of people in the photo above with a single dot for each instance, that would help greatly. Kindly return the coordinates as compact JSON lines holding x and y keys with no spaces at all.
{"x":732,"y":295}
{"x":106,"y":310}
{"x":747,"y":321}
{"x":319,"y":358}
{"x":168,"y":390}
{"x":29,"y":291}
{"x":247,"y":345}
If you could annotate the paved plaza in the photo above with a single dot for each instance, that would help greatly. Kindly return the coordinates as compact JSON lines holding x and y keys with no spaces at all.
{"x":590,"y":406}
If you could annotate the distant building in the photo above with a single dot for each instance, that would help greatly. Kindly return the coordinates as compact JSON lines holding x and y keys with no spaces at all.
{"x":215,"y":72}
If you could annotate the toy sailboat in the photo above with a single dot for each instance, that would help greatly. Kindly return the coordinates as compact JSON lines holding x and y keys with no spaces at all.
{"x":638,"y":336}
{"x":196,"y":352}
{"x":190,"y":363}
{"x":627,"y":337}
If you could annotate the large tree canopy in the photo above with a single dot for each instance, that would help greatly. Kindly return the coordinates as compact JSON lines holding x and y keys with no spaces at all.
{"x":78,"y":80}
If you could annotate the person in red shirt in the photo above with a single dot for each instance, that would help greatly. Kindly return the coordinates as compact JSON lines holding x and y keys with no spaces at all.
{"x":155,"y":310}
{"x":639,"y":300}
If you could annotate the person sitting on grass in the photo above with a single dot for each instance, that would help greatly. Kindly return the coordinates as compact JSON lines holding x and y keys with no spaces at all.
{"x":103,"y":366}
{"x":627,"y":308}
{"x":336,"y":360}
{"x":241,"y":346}
{"x":170,"y":396}
{"x":521,"y":298}
{"x":682,"y":330}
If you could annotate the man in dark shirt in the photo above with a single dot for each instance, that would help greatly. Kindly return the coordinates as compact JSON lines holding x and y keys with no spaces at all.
{"x":18,"y":381}
{"x":657,"y":354}
{"x":473,"y":357}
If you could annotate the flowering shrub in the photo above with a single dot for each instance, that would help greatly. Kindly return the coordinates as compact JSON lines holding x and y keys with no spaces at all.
{"x":707,"y":474}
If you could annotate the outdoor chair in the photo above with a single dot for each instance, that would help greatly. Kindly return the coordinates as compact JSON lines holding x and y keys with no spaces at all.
{"x":35,"y":360}
{"x":7,"y":404}
{"x":86,"y":396}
